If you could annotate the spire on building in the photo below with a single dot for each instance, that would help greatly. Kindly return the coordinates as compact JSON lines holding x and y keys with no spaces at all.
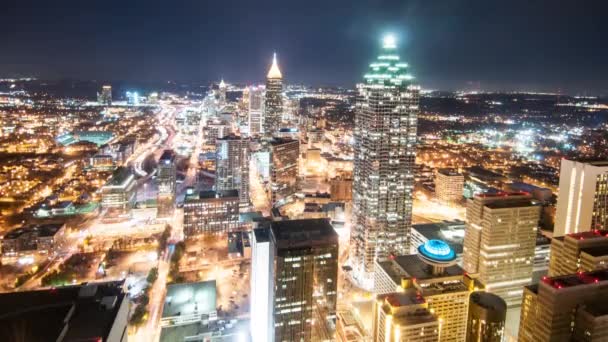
{"x":222,"y":84}
{"x":274,"y":71}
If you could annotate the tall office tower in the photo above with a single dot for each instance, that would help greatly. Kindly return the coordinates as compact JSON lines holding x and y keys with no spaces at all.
{"x":566,"y":308}
{"x":222,"y":92}
{"x":500,"y":241}
{"x":211,"y":212}
{"x":256,"y":107}
{"x":579,"y":252}
{"x":262,"y":286}
{"x":306,"y":275}
{"x":385,"y":151}
{"x":433,"y":273}
{"x":284,"y":156}
{"x":105,"y":97}
{"x":449,"y":186}
{"x":165,"y":179}
{"x":273,"y":103}
{"x":404,"y":316}
{"x":232,"y":166}
{"x":487,"y":314}
{"x":582,"y":201}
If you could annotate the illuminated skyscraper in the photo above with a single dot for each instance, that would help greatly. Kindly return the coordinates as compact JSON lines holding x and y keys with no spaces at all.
{"x":582,"y":202}
{"x":105,"y":97}
{"x":232,"y":166}
{"x":284,"y":155}
{"x":500,"y":241}
{"x":487,"y":314}
{"x":566,"y":308}
{"x":579,"y":252}
{"x":273,"y":103}
{"x":262,"y":285}
{"x":385,"y":151}
{"x":166,"y":184}
{"x":256,"y":107}
{"x":222,"y":92}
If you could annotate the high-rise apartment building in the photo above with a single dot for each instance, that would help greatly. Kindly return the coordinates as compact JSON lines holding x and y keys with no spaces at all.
{"x":232,"y":166}
{"x":487,"y":315}
{"x":566,"y":308}
{"x":500,"y":241}
{"x":433,"y":273}
{"x":449,"y":185}
{"x":385,"y":151}
{"x":222,"y":92}
{"x":211,"y":212}
{"x":166,"y":180}
{"x":105,"y":97}
{"x":256,"y":108}
{"x":273,"y":102}
{"x":303,"y":267}
{"x":579,"y":252}
{"x":284,"y":156}
{"x":582,"y":201}
{"x":404,"y":316}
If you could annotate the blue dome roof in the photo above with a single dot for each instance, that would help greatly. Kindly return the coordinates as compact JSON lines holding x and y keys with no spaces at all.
{"x":437,"y":250}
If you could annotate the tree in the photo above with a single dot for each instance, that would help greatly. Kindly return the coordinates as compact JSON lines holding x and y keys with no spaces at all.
{"x":152,"y":275}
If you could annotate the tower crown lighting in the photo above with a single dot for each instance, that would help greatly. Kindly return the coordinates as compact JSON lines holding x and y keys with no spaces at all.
{"x":389,"y":42}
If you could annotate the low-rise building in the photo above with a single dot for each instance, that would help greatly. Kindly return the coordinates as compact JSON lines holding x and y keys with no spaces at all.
{"x":43,"y":239}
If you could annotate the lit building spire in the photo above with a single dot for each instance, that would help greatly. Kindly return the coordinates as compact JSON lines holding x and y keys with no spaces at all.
{"x":274,"y":71}
{"x":222,"y":84}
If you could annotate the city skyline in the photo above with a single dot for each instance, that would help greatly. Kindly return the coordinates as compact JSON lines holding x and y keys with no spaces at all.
{"x":461,"y":45}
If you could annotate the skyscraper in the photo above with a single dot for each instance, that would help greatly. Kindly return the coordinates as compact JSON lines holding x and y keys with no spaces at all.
{"x":434,"y":275}
{"x":300,"y":258}
{"x":284,"y":168}
{"x":499,"y":242}
{"x":487,"y":314}
{"x":222,"y":92}
{"x":566,"y":308}
{"x":582,"y":202}
{"x":211,"y":212}
{"x":579,"y":252}
{"x":232,"y":166}
{"x":385,"y":149}
{"x":273,"y":103}
{"x":105,"y":97}
{"x":166,"y":184}
{"x":256,"y":107}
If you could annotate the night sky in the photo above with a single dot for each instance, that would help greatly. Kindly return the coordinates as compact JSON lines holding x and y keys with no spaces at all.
{"x":552,"y":45}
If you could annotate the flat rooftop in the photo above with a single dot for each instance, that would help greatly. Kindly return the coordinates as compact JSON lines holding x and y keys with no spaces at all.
{"x":119,"y":177}
{"x":85,"y":312}
{"x":506,"y":204}
{"x":190,"y":298}
{"x":452,"y":232}
{"x":43,"y":230}
{"x":280,"y":141}
{"x":578,"y":279}
{"x":167,"y":156}
{"x":410,"y":266}
{"x":303,"y":233}
{"x":218,"y":194}
{"x":449,"y":172}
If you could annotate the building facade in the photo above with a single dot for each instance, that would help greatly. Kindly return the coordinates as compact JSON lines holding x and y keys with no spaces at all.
{"x":385,"y":151}
{"x":433,"y":273}
{"x":232,"y":166}
{"x":256,"y":108}
{"x":487,"y":315}
{"x":579,"y":252}
{"x":583,"y":197}
{"x":303,"y":273}
{"x":118,"y":195}
{"x":566,"y":308}
{"x":404,"y":316}
{"x":166,"y":180}
{"x":273,"y":102}
{"x":449,"y":185}
{"x":211,"y":212}
{"x":105,"y":96}
{"x":500,"y":242}
{"x":284,"y":168}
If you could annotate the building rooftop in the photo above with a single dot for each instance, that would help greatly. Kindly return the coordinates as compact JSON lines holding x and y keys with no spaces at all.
{"x":120,"y":177}
{"x":71,"y":313}
{"x":596,"y":251}
{"x":449,"y":172}
{"x":276,"y":141}
{"x":515,"y":203}
{"x":43,"y":230}
{"x":218,"y":194}
{"x":410,"y":266}
{"x":452,"y":232}
{"x":262,"y":234}
{"x":190,"y":298}
{"x":489,"y":301}
{"x":581,"y":278}
{"x":303,"y":233}
{"x":167,"y":157}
